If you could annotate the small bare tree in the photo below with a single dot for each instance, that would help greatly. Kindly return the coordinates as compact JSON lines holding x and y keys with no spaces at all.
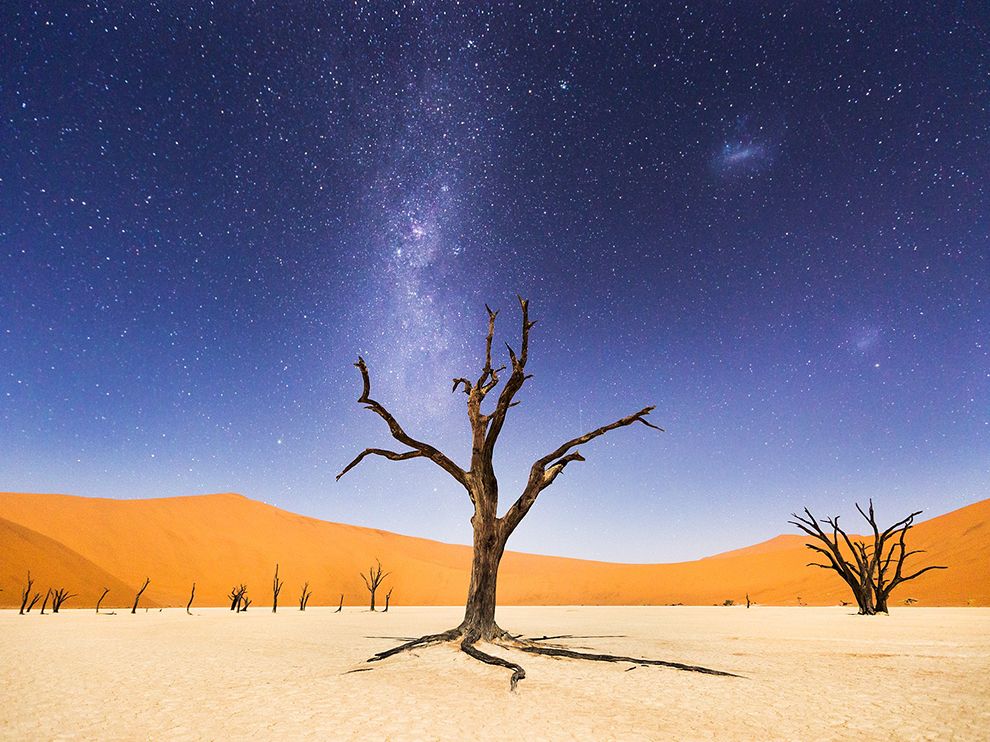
{"x":26,"y":594}
{"x":147,"y":581}
{"x":871,"y":568}
{"x":45,"y":604}
{"x":373,"y":580}
{"x":191,"y":596}
{"x":304,"y":596}
{"x":276,"y":589}
{"x":340,"y":606}
{"x":245,"y":602}
{"x":59,"y":596}
{"x":98,"y":602}
{"x":388,"y":597}
{"x":236,"y":597}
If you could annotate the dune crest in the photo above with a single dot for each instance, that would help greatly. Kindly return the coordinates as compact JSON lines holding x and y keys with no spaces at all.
{"x":85,"y":544}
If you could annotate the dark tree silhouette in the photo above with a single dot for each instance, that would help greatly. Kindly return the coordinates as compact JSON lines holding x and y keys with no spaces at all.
{"x":373,"y":580}
{"x":45,"y":604}
{"x":340,"y":607}
{"x":236,"y":597}
{"x":147,"y":581}
{"x":26,"y":594}
{"x":98,"y":602}
{"x":245,"y":602}
{"x":276,"y":589}
{"x":304,"y":596}
{"x":59,"y":597}
{"x":871,"y":567}
{"x":388,"y":597}
{"x":191,"y":596}
{"x":491,"y":531}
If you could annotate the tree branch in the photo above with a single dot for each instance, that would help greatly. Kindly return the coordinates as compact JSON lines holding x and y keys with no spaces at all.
{"x":392,"y":455}
{"x":546,"y":469}
{"x":421,"y":448}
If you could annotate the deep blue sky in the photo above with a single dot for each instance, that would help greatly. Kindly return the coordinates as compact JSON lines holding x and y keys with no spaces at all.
{"x":768,"y":219}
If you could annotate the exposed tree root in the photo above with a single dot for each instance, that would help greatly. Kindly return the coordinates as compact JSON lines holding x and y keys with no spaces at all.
{"x":423,"y":641}
{"x":532,"y":646}
{"x":467,"y":646}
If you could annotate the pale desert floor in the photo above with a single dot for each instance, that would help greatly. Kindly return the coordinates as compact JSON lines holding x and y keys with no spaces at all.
{"x":809,"y":673}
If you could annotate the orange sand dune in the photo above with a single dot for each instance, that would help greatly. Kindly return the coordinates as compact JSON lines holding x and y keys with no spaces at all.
{"x":220,"y":540}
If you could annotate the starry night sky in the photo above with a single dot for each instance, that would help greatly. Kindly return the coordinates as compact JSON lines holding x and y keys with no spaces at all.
{"x":769,"y":219}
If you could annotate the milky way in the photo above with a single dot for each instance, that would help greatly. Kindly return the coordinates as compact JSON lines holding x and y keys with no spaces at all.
{"x":770,"y":223}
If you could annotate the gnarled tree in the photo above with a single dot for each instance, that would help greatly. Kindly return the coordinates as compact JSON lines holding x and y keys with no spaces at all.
{"x":59,"y":596}
{"x":192,"y":594}
{"x":871,"y":566}
{"x":373,"y":580}
{"x":492,"y":531}
{"x":304,"y":596}
{"x":100,"y":601}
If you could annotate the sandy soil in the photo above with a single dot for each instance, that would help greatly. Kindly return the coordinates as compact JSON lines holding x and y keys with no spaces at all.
{"x":822,"y":673}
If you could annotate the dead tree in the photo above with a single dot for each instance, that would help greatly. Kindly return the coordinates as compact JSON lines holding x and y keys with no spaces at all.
{"x":373,"y":580}
{"x":191,"y":596}
{"x":340,"y":607}
{"x":388,"y":597}
{"x":747,"y":600}
{"x":147,"y":581}
{"x":34,"y":600}
{"x":236,"y":597}
{"x":871,"y":567}
{"x":305,"y":596}
{"x":491,"y":531}
{"x":26,"y":593}
{"x":98,"y":602}
{"x":45,"y":604}
{"x":276,"y":589}
{"x":245,"y":602}
{"x":59,"y":597}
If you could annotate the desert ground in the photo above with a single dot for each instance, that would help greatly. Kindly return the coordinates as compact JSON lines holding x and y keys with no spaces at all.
{"x":806,"y":673}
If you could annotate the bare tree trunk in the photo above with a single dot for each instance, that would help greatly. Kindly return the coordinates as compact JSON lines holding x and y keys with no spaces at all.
{"x":276,"y":589}
{"x":191,"y":596}
{"x":105,"y":591}
{"x":388,"y":597}
{"x":137,"y":597}
{"x":304,"y":596}
{"x":26,"y":593}
{"x":45,"y":604}
{"x":341,"y":606}
{"x":747,"y":600}
{"x":34,"y":600}
{"x":479,"y":610}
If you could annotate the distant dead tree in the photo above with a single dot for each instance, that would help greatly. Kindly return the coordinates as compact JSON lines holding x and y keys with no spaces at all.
{"x":340,"y":607}
{"x":871,"y":567}
{"x":373,"y":580}
{"x":147,"y":581}
{"x":191,"y":596}
{"x":59,"y":596}
{"x":34,"y":600}
{"x":304,"y":596}
{"x":491,"y":532}
{"x":747,"y":600}
{"x":45,"y":604}
{"x":98,"y":602}
{"x":245,"y":602}
{"x":388,"y":596}
{"x":236,"y":597}
{"x":26,"y":594}
{"x":276,"y":589}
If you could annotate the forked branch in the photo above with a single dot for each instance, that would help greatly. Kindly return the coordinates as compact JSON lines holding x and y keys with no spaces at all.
{"x":419,"y":447}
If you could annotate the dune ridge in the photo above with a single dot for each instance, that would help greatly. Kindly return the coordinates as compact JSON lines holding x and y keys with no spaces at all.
{"x":85,"y":544}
